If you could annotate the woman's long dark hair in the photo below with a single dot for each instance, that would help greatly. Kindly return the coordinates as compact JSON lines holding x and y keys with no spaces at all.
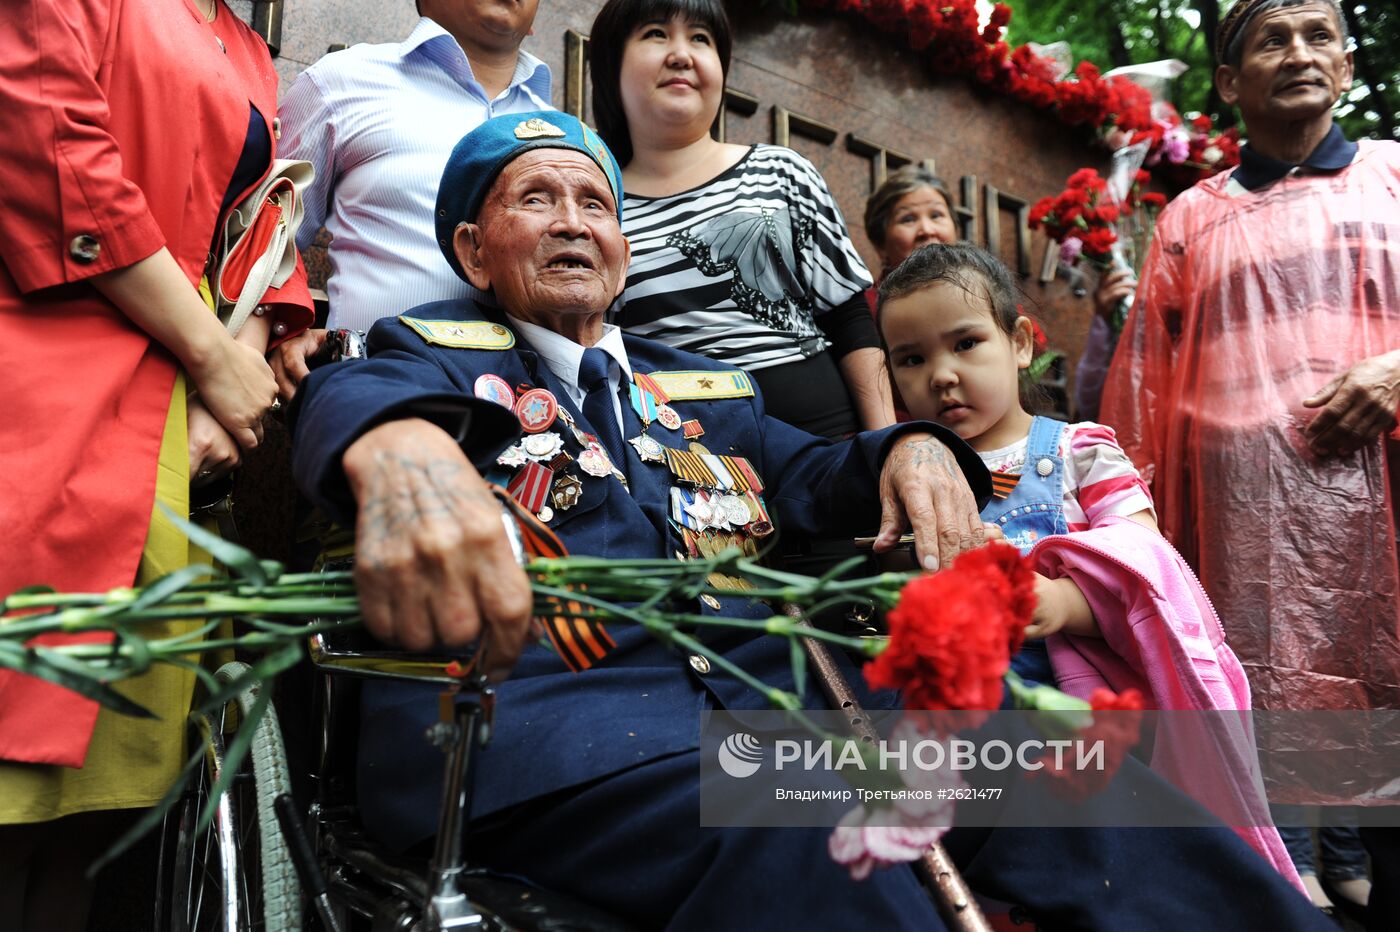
{"x":612,"y":27}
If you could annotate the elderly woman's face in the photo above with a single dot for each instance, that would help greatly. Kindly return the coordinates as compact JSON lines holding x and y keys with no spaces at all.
{"x":671,"y":77}
{"x":548,"y":239}
{"x":920,"y":217}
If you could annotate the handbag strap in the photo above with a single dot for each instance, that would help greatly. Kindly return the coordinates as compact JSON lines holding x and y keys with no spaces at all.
{"x":293,"y":176}
{"x":259,"y":279}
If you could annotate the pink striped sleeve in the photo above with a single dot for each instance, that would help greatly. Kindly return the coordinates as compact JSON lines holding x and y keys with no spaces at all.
{"x":1100,"y":478}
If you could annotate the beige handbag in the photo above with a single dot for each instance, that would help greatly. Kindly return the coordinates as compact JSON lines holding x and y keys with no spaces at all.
{"x":259,"y":243}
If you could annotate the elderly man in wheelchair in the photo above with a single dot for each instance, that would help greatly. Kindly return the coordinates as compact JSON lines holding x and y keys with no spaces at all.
{"x":588,"y":786}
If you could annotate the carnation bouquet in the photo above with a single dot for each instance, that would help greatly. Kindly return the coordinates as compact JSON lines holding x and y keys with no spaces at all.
{"x":1107,"y":222}
{"x":950,"y":637}
{"x":963,"y":37}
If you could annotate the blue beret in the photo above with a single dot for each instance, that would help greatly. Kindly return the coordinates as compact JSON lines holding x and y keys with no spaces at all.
{"x":481,"y":155}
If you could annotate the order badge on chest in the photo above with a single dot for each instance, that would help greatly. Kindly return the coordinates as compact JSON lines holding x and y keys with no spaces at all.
{"x":715,"y":501}
{"x":544,"y":481}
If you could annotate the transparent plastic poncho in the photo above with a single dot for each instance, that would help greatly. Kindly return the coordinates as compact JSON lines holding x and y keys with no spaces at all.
{"x":1249,"y":303}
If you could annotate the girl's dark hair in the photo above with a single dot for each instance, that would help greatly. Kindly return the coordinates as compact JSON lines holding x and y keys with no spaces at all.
{"x":880,"y":205}
{"x":974,"y":270}
{"x":978,"y":273}
{"x":608,"y":39}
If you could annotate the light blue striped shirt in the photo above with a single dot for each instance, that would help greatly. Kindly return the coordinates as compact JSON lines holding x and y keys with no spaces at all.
{"x":378,"y":122}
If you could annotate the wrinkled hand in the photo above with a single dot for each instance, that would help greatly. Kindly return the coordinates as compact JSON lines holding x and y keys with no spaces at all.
{"x":1113,"y":287}
{"x":213,"y":453}
{"x":432,"y":562}
{"x":1357,"y":406}
{"x":923,"y":487}
{"x":288,"y":360}
{"x":237,"y":387}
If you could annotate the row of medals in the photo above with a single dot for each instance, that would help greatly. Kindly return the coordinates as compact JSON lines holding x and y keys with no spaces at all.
{"x":704,"y":506}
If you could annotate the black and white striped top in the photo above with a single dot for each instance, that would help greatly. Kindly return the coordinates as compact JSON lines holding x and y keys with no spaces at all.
{"x":738,"y":268}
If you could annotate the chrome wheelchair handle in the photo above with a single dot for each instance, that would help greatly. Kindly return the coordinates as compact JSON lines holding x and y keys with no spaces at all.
{"x":338,"y":346}
{"x":346,"y":344}
{"x":517,"y":540}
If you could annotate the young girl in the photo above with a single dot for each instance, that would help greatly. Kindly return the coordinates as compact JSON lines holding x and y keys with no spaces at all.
{"x":956,"y":348}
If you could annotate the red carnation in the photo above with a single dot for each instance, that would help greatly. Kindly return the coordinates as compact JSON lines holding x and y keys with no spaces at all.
{"x":1098,"y":241}
{"x":1073,"y":197}
{"x":1117,"y":720}
{"x":1034,"y":66}
{"x":887,"y":15}
{"x":953,"y":632}
{"x":1001,"y":15}
{"x":1131,"y":104}
{"x":1153,"y":199}
{"x":1040,"y":211}
{"x":1107,"y":213}
{"x":1084,"y":178}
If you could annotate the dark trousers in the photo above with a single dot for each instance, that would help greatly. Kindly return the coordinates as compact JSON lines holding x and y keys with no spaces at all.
{"x":1339,"y":849}
{"x":1383,"y":844}
{"x":632,"y":845}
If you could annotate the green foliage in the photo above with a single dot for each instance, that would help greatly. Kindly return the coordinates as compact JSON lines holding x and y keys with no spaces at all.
{"x":1041,"y":365}
{"x":1112,"y":33}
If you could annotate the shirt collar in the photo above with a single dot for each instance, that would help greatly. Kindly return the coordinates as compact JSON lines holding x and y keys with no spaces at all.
{"x":533,"y":74}
{"x":563,"y":355}
{"x":529,"y":70}
{"x":1332,"y":154}
{"x":426,"y":31}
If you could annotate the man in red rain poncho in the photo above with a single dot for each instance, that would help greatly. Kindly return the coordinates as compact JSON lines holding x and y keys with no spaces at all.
{"x":1257,"y":382}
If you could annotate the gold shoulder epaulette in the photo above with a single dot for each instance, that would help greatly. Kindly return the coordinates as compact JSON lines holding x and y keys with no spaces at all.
{"x":462,"y":334}
{"x":703,"y":385}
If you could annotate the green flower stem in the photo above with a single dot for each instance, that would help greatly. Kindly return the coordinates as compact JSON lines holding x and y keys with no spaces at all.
{"x":184,"y":645}
{"x":272,"y":605}
{"x":777,"y":624}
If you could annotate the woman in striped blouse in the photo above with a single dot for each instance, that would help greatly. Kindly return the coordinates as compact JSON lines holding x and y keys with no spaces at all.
{"x":738,"y":252}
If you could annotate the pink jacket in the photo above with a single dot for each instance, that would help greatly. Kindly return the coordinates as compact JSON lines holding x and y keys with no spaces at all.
{"x":1161,"y":636}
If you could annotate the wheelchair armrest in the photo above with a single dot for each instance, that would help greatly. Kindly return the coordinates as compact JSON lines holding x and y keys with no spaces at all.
{"x":354,"y":652}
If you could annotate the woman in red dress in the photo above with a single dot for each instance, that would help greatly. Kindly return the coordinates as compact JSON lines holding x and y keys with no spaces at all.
{"x":127,"y":128}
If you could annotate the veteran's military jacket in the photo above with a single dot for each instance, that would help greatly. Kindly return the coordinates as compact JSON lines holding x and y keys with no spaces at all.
{"x":556,"y":728}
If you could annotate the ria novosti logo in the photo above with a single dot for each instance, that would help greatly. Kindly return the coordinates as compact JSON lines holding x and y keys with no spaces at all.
{"x":740,"y":755}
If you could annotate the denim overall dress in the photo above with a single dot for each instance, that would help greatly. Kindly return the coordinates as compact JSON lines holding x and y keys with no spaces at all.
{"x":1033,"y":510}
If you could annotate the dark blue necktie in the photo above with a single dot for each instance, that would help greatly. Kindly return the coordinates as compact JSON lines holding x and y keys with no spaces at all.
{"x":598,"y":403}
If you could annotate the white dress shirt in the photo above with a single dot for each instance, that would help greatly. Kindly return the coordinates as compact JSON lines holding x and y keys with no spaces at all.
{"x":563,"y":357}
{"x":378,"y":122}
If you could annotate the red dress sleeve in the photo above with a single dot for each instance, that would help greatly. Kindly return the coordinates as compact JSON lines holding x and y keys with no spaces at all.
{"x":67,"y":210}
{"x":291,"y":306}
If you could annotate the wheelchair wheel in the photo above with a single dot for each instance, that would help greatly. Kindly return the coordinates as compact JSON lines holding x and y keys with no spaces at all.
{"x":236,"y":876}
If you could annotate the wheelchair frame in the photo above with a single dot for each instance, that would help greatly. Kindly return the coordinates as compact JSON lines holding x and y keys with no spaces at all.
{"x":344,"y":873}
